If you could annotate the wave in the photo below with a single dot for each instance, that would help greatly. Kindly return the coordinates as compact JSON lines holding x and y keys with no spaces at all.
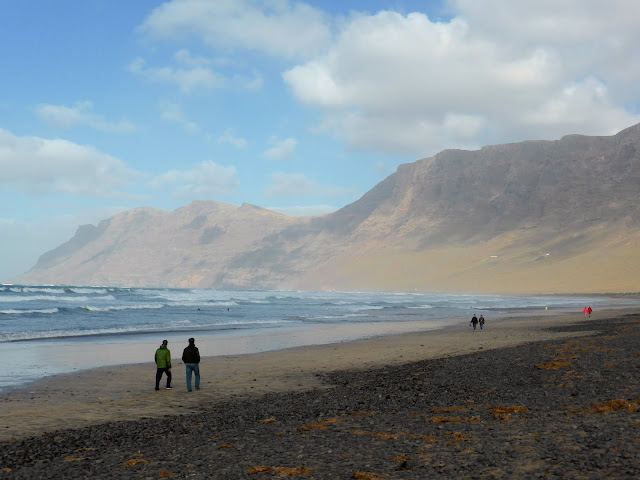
{"x":54,"y":335}
{"x":138,"y":330}
{"x":123,"y":307}
{"x":54,"y":298}
{"x":81,"y":290}
{"x":325,"y":318}
{"x":20,"y":312}
{"x":200,"y":303}
{"x":97,"y":291}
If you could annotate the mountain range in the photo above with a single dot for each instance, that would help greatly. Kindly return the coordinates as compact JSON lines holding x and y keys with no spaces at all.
{"x":531,"y":217}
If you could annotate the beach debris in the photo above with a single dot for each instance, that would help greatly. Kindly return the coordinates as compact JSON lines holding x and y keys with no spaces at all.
{"x":366,"y":476}
{"x":456,"y":438}
{"x":504,"y":413}
{"x":164,"y":473}
{"x":285,"y":471}
{"x":84,"y":449}
{"x":74,"y":459}
{"x":400,"y":459}
{"x":224,"y":446}
{"x":445,"y":420}
{"x":269,"y":420}
{"x":593,"y":348}
{"x":618,"y":404}
{"x":321,"y":425}
{"x":440,"y":419}
{"x":135,"y":461}
{"x":552,"y":365}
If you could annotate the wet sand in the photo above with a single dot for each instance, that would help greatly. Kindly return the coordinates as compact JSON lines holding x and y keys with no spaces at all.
{"x":126,"y":392}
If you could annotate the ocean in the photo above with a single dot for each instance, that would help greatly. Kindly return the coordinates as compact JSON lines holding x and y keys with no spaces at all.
{"x":48,"y":330}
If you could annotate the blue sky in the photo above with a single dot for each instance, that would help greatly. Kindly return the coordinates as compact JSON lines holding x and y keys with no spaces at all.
{"x":300,"y":107}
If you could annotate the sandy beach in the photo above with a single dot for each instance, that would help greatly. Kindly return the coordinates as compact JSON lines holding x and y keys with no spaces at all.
{"x":125,"y":392}
{"x":539,"y":396}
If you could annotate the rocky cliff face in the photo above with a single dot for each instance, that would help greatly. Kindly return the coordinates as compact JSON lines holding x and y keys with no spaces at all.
{"x":537,"y":216}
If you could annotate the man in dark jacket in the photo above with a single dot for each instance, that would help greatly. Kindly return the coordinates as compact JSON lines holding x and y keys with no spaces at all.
{"x":474,"y":322}
{"x":191,"y":359}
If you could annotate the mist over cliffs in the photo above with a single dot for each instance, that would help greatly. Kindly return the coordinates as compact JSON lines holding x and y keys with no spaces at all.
{"x":531,"y":217}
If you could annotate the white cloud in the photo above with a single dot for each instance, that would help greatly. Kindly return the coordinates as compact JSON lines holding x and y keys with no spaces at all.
{"x":38,"y":166}
{"x":191,"y":74}
{"x":187,"y":79}
{"x":204,"y":180}
{"x":171,"y":112}
{"x":185,"y":57}
{"x":575,"y":103}
{"x":230,"y":138}
{"x":276,"y":27}
{"x":494,"y":72}
{"x":282,"y":150}
{"x":62,"y":116}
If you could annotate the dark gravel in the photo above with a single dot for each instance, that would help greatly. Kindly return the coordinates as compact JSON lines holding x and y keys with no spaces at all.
{"x":488,"y":415}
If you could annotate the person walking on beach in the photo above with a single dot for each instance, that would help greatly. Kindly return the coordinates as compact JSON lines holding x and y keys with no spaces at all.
{"x":589,"y":310}
{"x":474,"y":322}
{"x":481,"y":321}
{"x":163,"y":362}
{"x":585,"y":310}
{"x":191,"y":359}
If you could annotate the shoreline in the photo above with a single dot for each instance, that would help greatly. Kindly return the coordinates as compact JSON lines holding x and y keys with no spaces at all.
{"x":125,"y":392}
{"x":40,"y":359}
{"x":76,"y":354}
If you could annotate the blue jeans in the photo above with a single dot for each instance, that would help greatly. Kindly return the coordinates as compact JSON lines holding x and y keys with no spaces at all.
{"x":192,"y":367}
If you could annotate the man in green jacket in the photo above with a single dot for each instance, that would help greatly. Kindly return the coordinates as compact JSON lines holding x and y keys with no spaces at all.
{"x":163,"y":362}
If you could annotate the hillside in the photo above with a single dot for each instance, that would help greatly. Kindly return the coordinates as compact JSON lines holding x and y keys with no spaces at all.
{"x":532,"y":217}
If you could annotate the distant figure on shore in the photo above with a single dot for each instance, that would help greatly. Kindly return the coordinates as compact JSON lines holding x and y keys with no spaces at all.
{"x":481,"y":321}
{"x":474,"y":322}
{"x":585,"y":310}
{"x":191,"y":359}
{"x":163,"y":364}
{"x":589,"y":310}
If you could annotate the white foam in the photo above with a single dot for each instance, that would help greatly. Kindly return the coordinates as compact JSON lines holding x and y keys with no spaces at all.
{"x":20,"y":312}
{"x":123,"y":307}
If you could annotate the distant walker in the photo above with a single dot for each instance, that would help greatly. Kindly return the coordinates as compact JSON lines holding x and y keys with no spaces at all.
{"x":474,"y":322}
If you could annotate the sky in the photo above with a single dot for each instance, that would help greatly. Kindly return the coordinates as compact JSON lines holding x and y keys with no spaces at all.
{"x":298,"y":107}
